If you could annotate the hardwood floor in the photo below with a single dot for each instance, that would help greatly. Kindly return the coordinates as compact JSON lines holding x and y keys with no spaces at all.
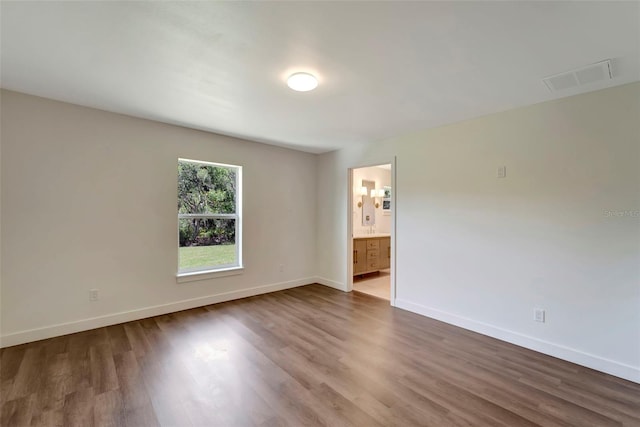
{"x":304,"y":356}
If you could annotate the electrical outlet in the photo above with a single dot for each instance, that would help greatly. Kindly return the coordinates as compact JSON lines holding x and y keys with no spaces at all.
{"x":538,"y":315}
{"x":502,"y":172}
{"x":281,"y":268}
{"x":93,"y":295}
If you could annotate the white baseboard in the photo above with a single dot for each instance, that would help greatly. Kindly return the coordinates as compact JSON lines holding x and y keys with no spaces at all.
{"x":628,"y":372}
{"x":30,"y":335}
{"x":330,"y":283}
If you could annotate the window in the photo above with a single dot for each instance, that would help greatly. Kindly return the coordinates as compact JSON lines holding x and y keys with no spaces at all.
{"x":209,"y":217}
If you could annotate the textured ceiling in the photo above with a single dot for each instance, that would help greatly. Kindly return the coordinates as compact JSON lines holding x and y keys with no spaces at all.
{"x":385,"y":68}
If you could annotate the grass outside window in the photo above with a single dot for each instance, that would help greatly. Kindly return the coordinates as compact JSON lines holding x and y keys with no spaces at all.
{"x":201,"y":257}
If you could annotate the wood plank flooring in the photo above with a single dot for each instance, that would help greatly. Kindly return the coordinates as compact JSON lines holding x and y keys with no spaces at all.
{"x":304,"y":356}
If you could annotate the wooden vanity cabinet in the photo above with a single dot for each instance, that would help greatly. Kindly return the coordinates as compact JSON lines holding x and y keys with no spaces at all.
{"x":371,"y":254}
{"x":359,"y":256}
{"x":384,"y":261}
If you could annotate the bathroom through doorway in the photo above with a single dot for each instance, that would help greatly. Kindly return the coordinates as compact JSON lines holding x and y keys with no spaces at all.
{"x":371,"y":225}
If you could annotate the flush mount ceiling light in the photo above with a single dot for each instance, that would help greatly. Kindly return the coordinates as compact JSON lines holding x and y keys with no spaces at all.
{"x":302,"y":82}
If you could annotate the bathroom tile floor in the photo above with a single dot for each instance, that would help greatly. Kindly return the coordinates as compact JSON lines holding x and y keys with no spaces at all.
{"x":376,"y":284}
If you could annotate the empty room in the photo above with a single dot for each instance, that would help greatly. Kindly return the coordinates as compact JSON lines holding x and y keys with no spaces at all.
{"x":319,"y":213}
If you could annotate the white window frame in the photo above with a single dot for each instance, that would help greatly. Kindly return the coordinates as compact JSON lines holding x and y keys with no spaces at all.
{"x":191,"y":274}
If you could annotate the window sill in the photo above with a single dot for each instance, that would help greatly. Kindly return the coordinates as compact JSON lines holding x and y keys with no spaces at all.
{"x":208,"y":274}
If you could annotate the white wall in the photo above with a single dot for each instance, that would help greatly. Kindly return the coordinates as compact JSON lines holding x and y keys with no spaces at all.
{"x":482,"y":252}
{"x":382,"y":178}
{"x":89,"y":201}
{"x":1,"y":93}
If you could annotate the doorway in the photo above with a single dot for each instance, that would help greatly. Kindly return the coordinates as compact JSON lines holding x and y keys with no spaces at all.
{"x":371,"y":230}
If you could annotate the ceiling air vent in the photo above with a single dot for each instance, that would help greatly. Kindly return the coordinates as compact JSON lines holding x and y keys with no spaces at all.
{"x":599,"y":71}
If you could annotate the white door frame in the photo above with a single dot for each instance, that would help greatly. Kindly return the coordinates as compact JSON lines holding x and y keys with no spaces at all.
{"x":394,"y":192}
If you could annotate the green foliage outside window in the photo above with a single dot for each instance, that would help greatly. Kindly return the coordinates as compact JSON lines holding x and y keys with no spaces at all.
{"x":206,"y":189}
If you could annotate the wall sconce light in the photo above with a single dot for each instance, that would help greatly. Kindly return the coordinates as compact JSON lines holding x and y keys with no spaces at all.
{"x":361,"y":192}
{"x":377,"y":194}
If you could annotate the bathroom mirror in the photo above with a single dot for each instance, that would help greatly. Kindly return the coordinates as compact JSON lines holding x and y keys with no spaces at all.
{"x":368,"y":208}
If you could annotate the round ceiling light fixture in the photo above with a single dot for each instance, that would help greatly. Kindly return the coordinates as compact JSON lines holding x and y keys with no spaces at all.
{"x":302,"y":82}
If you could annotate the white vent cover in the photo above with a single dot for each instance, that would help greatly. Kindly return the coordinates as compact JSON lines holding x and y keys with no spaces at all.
{"x":581,"y":76}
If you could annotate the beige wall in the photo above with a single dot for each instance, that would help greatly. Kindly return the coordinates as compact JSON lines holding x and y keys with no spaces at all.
{"x":483,"y":252}
{"x":89,"y":201}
